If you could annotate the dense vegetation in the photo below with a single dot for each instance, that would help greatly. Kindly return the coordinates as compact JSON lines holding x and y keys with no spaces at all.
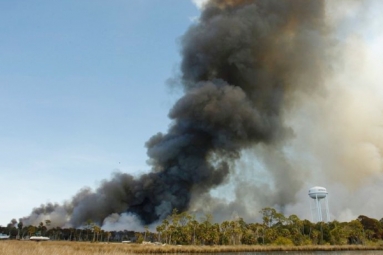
{"x":185,"y":229}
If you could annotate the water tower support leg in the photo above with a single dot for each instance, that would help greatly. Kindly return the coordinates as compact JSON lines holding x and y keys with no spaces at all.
{"x":327,"y":211}
{"x":319,"y":213}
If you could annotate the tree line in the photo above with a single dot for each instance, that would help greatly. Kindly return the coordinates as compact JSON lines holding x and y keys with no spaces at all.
{"x":182,"y":228}
{"x":90,"y":232}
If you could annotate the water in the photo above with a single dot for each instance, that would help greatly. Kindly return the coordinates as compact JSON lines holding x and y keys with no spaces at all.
{"x":306,"y":253}
{"x":297,"y":252}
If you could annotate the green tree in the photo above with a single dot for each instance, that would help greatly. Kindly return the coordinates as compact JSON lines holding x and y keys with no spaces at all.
{"x":166,"y":224}
{"x":89,"y":224}
{"x":355,"y":232}
{"x":146,"y":233}
{"x":139,"y":237}
{"x":225,"y":232}
{"x":235,"y":232}
{"x":31,"y":230}
{"x":96,"y":232}
{"x":271,"y":234}
{"x":248,"y":237}
{"x":160,"y":230}
{"x":193,"y":225}
{"x":268,"y":216}
{"x":108,"y":235}
{"x":19,"y":227}
{"x":338,"y":234}
{"x":296,"y":228}
{"x":284,"y":241}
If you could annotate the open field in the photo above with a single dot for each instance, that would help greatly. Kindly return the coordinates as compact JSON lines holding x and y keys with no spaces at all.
{"x":86,"y":248}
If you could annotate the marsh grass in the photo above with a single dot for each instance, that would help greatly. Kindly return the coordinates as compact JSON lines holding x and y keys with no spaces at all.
{"x":85,"y":248}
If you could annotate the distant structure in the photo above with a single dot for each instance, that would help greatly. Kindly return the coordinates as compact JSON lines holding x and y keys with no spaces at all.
{"x":319,"y":211}
{"x":39,"y":238}
{"x":4,"y":237}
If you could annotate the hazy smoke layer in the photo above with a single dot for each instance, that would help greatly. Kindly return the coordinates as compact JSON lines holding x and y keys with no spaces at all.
{"x":338,"y":134}
{"x":260,"y":80}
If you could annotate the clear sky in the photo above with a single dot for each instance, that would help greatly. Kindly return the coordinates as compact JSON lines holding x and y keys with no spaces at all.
{"x":82,"y":88}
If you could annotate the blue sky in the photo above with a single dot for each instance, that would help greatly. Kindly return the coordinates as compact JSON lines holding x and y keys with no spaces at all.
{"x":83,"y":87}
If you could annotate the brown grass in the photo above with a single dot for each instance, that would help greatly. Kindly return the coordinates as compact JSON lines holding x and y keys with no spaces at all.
{"x":86,"y":248}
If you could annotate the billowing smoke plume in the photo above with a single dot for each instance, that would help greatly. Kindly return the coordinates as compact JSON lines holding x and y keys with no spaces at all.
{"x":258,"y":78}
{"x":338,"y":134}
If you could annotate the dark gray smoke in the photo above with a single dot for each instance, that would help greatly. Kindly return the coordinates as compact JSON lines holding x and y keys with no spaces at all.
{"x":242,"y":64}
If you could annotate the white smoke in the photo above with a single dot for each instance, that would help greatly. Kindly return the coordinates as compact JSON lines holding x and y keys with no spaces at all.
{"x":124,"y":221}
{"x":200,"y":3}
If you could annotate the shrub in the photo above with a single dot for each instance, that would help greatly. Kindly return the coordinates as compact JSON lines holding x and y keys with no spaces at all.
{"x":283,"y":241}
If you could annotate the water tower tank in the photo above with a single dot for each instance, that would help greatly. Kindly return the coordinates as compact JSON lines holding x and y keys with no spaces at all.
{"x":317,"y":192}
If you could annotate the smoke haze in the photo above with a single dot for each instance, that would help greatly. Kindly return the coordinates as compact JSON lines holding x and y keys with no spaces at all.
{"x":279,"y":96}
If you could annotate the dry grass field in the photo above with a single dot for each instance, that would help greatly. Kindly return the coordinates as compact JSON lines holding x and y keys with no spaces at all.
{"x":86,"y":248}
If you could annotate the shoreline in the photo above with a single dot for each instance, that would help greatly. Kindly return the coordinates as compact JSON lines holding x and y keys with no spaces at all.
{"x":11,"y":247}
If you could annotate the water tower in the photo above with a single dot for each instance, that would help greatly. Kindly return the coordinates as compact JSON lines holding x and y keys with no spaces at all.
{"x":319,"y":210}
